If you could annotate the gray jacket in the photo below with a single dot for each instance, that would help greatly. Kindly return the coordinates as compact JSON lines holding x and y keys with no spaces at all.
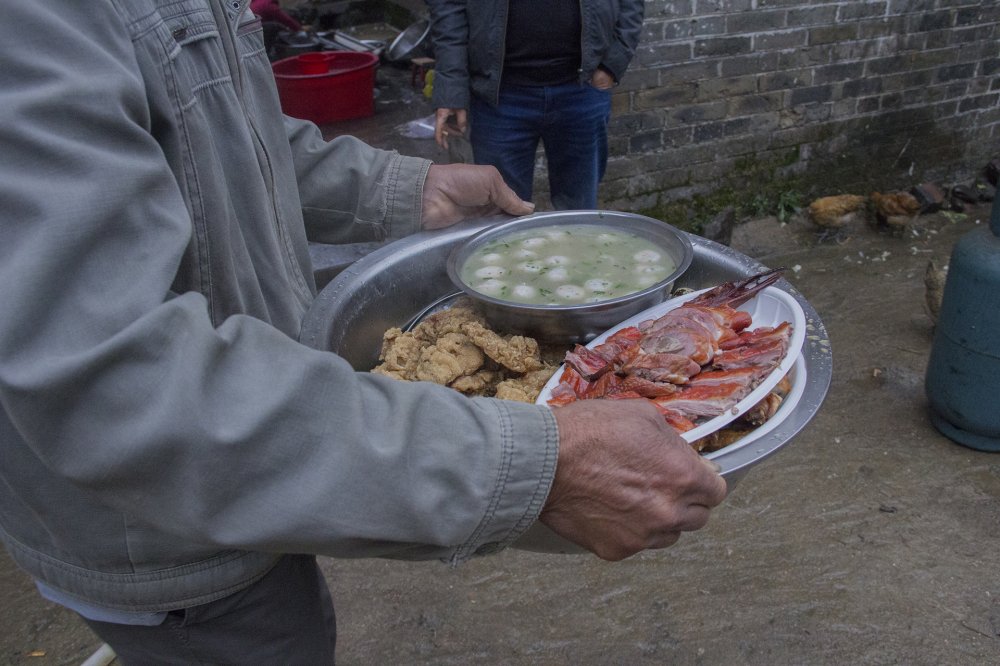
{"x":469,"y":45}
{"x":163,"y":436}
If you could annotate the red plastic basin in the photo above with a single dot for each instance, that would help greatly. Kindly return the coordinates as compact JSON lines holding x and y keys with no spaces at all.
{"x":327,"y":86}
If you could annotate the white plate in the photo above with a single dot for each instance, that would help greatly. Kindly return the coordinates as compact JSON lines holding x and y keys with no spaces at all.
{"x":770,"y":307}
{"x":798,"y":378}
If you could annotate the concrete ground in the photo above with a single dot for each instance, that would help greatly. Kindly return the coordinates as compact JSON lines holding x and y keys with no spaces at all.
{"x":869,"y":539}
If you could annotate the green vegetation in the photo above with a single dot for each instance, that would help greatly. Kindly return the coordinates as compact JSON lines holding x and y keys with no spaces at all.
{"x":754,"y":188}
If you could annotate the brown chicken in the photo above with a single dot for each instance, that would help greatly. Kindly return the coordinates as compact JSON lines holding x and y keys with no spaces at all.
{"x":934,"y":279}
{"x":895,"y":210}
{"x":836,"y":212}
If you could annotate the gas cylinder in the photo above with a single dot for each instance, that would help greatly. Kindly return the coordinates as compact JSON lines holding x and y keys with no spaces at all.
{"x":963,"y":373}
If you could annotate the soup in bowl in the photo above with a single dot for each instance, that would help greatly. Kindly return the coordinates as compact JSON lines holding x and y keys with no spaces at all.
{"x":568,"y":276}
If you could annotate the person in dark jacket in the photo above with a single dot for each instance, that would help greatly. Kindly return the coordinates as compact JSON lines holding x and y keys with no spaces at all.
{"x":519,"y":72}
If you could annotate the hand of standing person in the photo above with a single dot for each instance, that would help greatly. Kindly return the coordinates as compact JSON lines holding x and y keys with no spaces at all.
{"x":625,"y":481}
{"x":442,"y":127}
{"x":456,"y":192}
{"x":602,"y":79}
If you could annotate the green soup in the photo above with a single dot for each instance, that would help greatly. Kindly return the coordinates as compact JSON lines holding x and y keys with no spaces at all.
{"x":565,"y":264}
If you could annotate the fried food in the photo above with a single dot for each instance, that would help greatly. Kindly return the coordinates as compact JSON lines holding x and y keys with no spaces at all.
{"x":456,"y":348}
{"x":514,"y":352}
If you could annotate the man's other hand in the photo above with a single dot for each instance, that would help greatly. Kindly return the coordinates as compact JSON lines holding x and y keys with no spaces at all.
{"x":457,"y":192}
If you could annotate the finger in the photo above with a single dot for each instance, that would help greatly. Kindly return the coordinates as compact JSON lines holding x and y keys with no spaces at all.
{"x":711,"y":464}
{"x":440,"y":122}
{"x":693,"y":518}
{"x":663,"y":540}
{"x":505,"y":198}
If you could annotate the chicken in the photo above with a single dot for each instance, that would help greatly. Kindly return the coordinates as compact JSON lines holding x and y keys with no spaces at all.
{"x":515,"y":352}
{"x":526,"y":387}
{"x":454,"y":355}
{"x":895,"y":210}
{"x":934,"y":280}
{"x":835,"y":212}
{"x":455,"y":348}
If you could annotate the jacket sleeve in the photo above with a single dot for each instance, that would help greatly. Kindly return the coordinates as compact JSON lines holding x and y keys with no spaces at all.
{"x":233,"y":435}
{"x":450,"y":33}
{"x":352,"y":192}
{"x":625,"y":39}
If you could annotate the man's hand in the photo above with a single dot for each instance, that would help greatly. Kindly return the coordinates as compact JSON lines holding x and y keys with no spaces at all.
{"x":442,"y":127}
{"x":456,"y":192}
{"x":602,"y":79}
{"x":625,"y":481}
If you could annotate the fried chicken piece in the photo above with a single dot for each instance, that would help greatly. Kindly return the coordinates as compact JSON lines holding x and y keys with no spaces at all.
{"x":483,"y":382}
{"x":447,"y":321}
{"x":400,"y":354}
{"x":513,"y":352}
{"x":526,"y":387}
{"x":720,"y":439}
{"x":451,"y":357}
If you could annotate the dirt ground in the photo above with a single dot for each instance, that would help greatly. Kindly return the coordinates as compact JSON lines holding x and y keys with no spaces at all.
{"x":869,"y":539}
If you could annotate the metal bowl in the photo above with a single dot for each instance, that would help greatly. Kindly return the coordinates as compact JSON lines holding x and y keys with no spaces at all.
{"x":582,"y":322}
{"x":411,"y":43}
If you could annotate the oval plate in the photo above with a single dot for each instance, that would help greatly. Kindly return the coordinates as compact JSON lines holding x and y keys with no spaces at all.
{"x":770,"y":307}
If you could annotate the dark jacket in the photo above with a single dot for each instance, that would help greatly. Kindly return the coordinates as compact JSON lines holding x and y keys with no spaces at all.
{"x":469,"y":45}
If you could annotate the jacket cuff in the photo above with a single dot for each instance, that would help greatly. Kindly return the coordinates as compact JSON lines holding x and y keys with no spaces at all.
{"x":530,"y":443}
{"x":405,"y":178}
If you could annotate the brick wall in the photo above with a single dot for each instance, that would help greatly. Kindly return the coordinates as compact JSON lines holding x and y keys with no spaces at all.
{"x":820,"y":96}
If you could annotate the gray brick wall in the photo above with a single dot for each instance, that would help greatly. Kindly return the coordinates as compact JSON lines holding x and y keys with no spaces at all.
{"x":837,"y":96}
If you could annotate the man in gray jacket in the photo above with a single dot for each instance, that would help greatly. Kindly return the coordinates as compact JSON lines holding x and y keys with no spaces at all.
{"x":165,"y":441}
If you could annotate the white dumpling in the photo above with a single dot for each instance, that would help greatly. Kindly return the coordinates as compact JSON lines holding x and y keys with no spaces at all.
{"x":490,"y":287}
{"x":491,"y":272}
{"x":557,"y":274}
{"x":524,"y":291}
{"x":647,"y":256}
{"x":570,"y":292}
{"x":597,"y":284}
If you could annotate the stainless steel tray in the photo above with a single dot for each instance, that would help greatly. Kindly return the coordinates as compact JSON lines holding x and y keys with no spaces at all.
{"x":394,"y":283}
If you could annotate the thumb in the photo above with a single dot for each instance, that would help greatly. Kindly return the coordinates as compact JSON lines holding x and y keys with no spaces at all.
{"x":507,"y":200}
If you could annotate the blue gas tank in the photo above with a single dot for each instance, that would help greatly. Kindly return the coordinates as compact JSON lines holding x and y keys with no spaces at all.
{"x":963,"y":374}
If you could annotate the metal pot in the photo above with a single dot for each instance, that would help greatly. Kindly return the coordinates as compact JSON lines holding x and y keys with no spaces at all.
{"x":583,"y":322}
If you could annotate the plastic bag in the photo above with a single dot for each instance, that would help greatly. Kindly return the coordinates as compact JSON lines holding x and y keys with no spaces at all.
{"x":421,"y":128}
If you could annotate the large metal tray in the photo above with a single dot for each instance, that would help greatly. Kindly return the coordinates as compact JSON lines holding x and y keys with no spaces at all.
{"x":392,"y":284}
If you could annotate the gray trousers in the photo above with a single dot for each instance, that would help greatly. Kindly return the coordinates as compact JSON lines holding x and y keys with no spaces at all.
{"x":285,"y":618}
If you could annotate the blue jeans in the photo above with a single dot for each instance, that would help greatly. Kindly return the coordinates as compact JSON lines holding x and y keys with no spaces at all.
{"x":571,"y":121}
